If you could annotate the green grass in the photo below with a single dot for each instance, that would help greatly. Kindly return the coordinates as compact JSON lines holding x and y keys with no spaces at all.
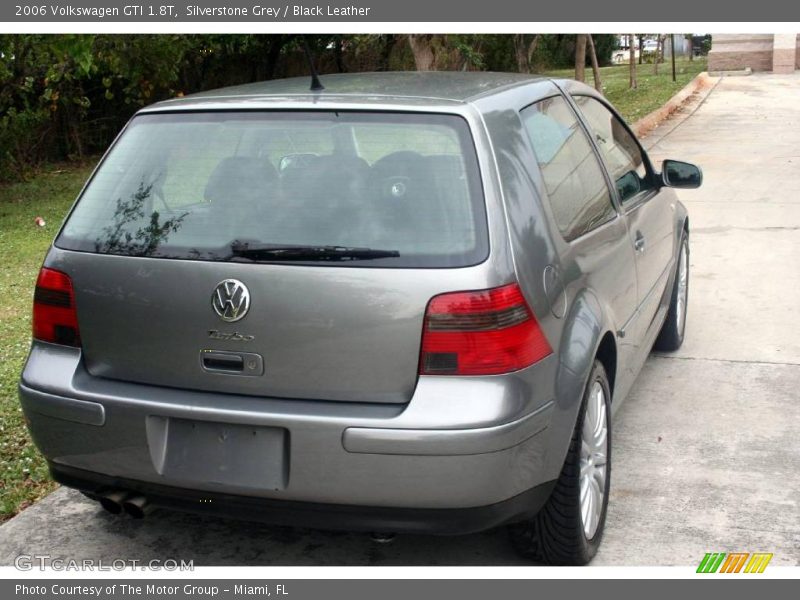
{"x":23,"y":472}
{"x":652,"y":91}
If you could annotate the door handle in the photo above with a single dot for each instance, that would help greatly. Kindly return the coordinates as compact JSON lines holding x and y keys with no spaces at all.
{"x":638,"y":243}
{"x":232,"y":363}
{"x":226,"y":362}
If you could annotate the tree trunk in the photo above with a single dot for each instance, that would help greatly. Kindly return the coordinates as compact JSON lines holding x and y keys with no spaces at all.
{"x":521,"y":54}
{"x":632,"y":61}
{"x":690,"y":39}
{"x":641,"y":48}
{"x":598,"y":85}
{"x":338,"y":55}
{"x":657,"y":57}
{"x":672,"y":55}
{"x":580,"y":57}
{"x":422,"y":48}
{"x":532,"y":48}
{"x":389,"y":42}
{"x":274,"y":54}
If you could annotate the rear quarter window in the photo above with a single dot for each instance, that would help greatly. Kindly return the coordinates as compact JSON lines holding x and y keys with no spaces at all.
{"x":576,"y":185}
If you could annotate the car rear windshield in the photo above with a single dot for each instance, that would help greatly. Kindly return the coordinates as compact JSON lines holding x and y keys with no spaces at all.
{"x":355,"y":189}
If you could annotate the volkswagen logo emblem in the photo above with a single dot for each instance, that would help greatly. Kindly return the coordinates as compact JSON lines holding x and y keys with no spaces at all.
{"x":230,"y":300}
{"x":398,"y":189}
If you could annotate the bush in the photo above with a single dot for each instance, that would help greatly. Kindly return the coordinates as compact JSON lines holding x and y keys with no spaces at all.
{"x":66,"y":96}
{"x":558,"y":51}
{"x":22,"y":136}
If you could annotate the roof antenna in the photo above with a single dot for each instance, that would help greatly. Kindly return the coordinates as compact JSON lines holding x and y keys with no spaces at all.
{"x":316,"y":84}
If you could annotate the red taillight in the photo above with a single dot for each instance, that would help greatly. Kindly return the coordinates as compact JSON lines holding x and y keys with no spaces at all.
{"x":480,"y":333}
{"x":54,"y":317}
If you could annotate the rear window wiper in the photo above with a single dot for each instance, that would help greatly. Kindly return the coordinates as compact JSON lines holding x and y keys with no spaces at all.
{"x":309,"y":253}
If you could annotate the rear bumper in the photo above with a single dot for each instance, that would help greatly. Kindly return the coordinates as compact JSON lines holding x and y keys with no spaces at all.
{"x":476,"y":450}
{"x":315,"y":515}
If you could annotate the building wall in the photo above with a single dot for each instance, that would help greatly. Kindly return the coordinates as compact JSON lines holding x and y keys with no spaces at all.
{"x":784,"y":53}
{"x":734,"y":52}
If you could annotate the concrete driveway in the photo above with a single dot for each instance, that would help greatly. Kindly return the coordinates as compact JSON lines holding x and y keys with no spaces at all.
{"x":707,"y":446}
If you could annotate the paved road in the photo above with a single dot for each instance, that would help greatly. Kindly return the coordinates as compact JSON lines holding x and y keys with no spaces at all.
{"x":706,"y":446}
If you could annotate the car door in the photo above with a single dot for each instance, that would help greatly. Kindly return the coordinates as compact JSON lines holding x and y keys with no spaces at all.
{"x":646,"y":208}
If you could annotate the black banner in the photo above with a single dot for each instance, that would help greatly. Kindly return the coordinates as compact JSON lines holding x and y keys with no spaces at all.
{"x":417,"y":11}
{"x":417,"y":589}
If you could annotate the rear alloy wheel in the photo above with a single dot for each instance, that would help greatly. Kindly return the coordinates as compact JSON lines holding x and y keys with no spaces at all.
{"x":568,"y":529}
{"x":670,"y":337}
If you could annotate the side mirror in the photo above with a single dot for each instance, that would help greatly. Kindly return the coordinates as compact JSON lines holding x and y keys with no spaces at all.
{"x":677,"y":174}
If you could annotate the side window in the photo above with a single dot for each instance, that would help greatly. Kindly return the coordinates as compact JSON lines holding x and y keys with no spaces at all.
{"x":579,"y":196}
{"x":621,"y":151}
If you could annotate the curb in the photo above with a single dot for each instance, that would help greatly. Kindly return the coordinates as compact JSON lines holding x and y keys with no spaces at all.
{"x":650,"y":121}
{"x":740,"y":73}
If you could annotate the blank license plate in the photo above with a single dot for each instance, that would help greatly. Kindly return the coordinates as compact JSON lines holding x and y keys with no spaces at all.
{"x":234,"y":456}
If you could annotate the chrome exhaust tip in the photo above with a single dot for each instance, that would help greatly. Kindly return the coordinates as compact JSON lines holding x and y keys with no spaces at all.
{"x":382,"y":537}
{"x":137,"y":506}
{"x":112,"y":501}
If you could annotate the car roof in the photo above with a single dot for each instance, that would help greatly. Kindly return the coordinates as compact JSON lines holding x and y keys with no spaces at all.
{"x":435,"y":86}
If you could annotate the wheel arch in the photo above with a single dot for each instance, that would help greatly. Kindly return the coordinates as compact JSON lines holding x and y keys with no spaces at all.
{"x":607,"y":355}
{"x":587,"y":336}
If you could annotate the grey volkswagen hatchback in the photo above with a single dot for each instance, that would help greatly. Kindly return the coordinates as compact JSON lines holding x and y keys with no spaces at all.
{"x":406,"y":302}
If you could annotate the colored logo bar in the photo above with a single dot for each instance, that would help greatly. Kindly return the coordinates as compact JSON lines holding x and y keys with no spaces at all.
{"x":734,"y":562}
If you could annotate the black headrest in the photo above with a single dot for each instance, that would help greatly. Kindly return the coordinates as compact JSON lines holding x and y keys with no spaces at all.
{"x":241,"y":178}
{"x":403,"y":163}
{"x":325,"y":179}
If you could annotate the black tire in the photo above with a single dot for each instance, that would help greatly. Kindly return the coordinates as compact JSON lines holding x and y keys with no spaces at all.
{"x":670,"y":338}
{"x":556,"y":534}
